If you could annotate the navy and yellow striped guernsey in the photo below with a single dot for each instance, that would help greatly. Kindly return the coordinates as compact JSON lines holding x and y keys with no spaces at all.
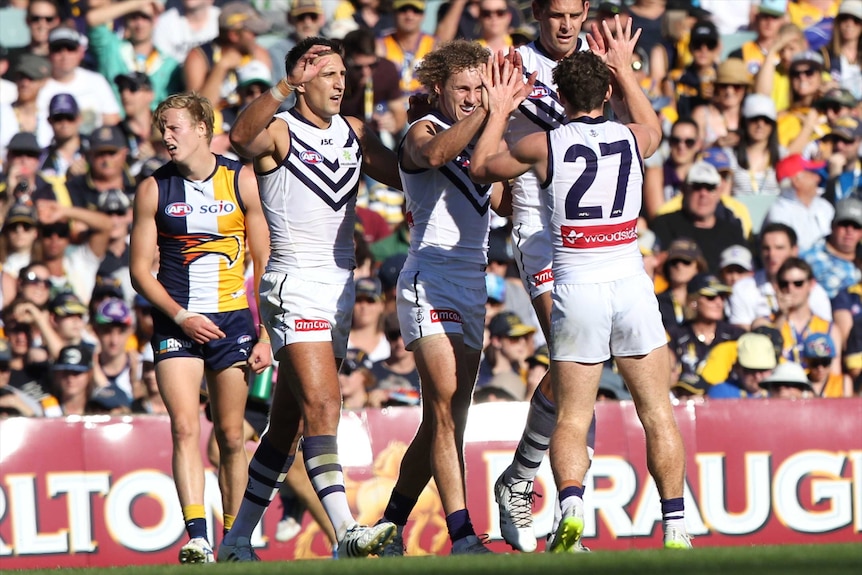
{"x":202,"y":238}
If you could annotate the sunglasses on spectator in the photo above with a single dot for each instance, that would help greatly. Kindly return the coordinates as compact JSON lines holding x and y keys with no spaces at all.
{"x":32,"y":278}
{"x":802,"y":72}
{"x":848,"y":224}
{"x":737,"y":87}
{"x":62,"y":118}
{"x":404,"y":9}
{"x":33,"y":18}
{"x":59,"y":231}
{"x":707,"y":45}
{"x":833,"y":107}
{"x":17,"y":227}
{"x":701,"y":186}
{"x":819,"y":362}
{"x":55,"y":48}
{"x":307,"y":16}
{"x":676,"y":141}
{"x":710,"y":297}
{"x":488,"y":13}
{"x":673,"y":263}
{"x":757,"y":119}
{"x":357,"y":67}
{"x":785,"y":284}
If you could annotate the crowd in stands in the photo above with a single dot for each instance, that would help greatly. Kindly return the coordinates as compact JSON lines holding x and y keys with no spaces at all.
{"x":751,"y":225}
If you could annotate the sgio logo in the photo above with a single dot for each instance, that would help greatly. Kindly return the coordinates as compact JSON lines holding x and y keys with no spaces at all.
{"x":220,"y":208}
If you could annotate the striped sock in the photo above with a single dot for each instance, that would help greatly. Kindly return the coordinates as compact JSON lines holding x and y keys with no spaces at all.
{"x":195,"y":517}
{"x":541,"y":420}
{"x":321,"y":461}
{"x":673,"y":513}
{"x":265,"y":474}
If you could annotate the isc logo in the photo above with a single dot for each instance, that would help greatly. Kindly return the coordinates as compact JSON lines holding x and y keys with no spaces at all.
{"x":310,"y":157}
{"x":539,"y":92}
{"x":221,"y":208}
{"x":178,"y":210}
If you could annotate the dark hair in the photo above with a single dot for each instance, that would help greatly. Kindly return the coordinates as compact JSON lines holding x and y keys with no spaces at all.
{"x":686,"y":121}
{"x":772,"y":145}
{"x":794,"y":263}
{"x":361,"y":42}
{"x":304,"y":46}
{"x":582,"y":80}
{"x":776,"y":227}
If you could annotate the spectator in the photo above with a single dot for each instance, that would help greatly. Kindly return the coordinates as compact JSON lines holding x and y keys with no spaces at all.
{"x":137,"y":98}
{"x":8,"y":90}
{"x":800,"y":205}
{"x":374,"y":15}
{"x":495,"y":21}
{"x":30,"y":74}
{"x":65,"y":156}
{"x":34,"y":285}
{"x":736,"y":263}
{"x":837,"y":103}
{"x":647,"y":15}
{"x":42,"y":17}
{"x":108,"y":401}
{"x":696,"y":86}
{"x":844,"y":164}
{"x":457,"y":19}
{"x":137,"y":53}
{"x":795,"y":318}
{"x":685,"y":145}
{"x":18,"y":246}
{"x":819,"y":353}
{"x":305,"y":19}
{"x":684,"y":261}
{"x":833,"y":259}
{"x":368,"y":74}
{"x":801,"y":124}
{"x":767,"y":22}
{"x":704,"y":328}
{"x":107,"y":154}
{"x":787,"y":381}
{"x":730,"y":208}
{"x":758,"y":152}
{"x":72,"y":377}
{"x":91,"y":90}
{"x":845,"y":48}
{"x":503,"y":387}
{"x":67,"y":321}
{"x":756,"y":297}
{"x":112,"y":323}
{"x":177,"y":31}
{"x":508,"y":350}
{"x":13,"y":401}
{"x":719,"y":118}
{"x":366,"y":331}
{"x":23,"y":182}
{"x":152,"y":401}
{"x":407,"y":44}
{"x":698,"y":219}
{"x":397,"y":377}
{"x":143,"y":310}
{"x":815,"y":17}
{"x":755,"y":362}
{"x":388,"y":273}
{"x":355,"y":379}
{"x":774,"y":80}
{"x":211,"y":67}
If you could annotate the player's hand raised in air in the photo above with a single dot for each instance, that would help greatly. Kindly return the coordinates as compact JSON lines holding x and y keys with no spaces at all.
{"x":503,"y":80}
{"x":309,"y":65}
{"x":615,"y":47}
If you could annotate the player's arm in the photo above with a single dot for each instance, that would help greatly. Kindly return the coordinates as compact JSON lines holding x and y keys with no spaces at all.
{"x":378,"y":161}
{"x":490,"y":164}
{"x":257,"y":233}
{"x":427,"y":146}
{"x":142,"y":251}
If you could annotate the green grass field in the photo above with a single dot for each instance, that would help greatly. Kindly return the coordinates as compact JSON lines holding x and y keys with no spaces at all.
{"x":802,"y":559}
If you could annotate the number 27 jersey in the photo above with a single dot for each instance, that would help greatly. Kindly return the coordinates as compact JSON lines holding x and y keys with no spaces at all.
{"x":593,"y":196}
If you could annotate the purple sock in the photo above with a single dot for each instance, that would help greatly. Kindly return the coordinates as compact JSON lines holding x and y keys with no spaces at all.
{"x":459,"y":525}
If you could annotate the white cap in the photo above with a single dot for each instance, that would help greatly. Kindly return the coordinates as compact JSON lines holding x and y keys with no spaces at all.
{"x":756,"y":105}
{"x":787,"y":373}
{"x":736,"y":256}
{"x":253,"y":72}
{"x":851,"y":8}
{"x":703,"y":173}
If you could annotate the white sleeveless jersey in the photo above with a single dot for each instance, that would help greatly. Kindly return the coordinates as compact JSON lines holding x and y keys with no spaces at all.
{"x":309,"y":200}
{"x":540,"y":112}
{"x":448,"y":214}
{"x":593,"y":197}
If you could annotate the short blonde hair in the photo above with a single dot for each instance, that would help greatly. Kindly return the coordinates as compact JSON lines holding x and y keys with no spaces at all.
{"x":199,"y":108}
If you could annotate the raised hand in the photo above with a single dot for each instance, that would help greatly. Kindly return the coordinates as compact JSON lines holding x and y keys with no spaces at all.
{"x":309,"y":65}
{"x":620,"y":46}
{"x":596,"y":42}
{"x":503,"y":80}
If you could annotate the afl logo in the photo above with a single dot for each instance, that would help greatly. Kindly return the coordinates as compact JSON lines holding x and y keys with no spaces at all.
{"x":243,"y":339}
{"x":310,"y":157}
{"x":539,"y":92}
{"x":178,"y":210}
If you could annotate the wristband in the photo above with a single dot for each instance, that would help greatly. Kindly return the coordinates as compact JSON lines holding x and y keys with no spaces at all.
{"x":263,"y":338}
{"x":183,"y":315}
{"x":282,"y":90}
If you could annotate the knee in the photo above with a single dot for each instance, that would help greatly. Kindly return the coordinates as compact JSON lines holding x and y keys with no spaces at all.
{"x":185,"y":430}
{"x":230,"y":440}
{"x":321,"y":414}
